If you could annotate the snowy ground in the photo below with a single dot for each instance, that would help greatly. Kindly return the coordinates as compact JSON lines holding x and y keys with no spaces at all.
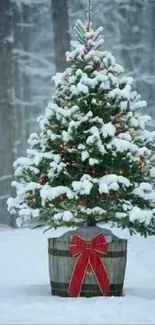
{"x":25,"y":296}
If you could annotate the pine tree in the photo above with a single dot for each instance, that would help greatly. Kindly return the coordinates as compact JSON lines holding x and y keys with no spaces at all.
{"x":91,"y":161}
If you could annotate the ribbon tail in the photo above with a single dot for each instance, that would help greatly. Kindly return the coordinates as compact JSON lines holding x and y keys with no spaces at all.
{"x":78,"y":275}
{"x":100,"y":273}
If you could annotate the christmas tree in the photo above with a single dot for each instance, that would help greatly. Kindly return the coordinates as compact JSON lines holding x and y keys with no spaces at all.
{"x":91,"y":161}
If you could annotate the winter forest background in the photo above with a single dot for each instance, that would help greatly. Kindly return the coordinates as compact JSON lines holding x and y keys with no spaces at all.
{"x":34,"y":35}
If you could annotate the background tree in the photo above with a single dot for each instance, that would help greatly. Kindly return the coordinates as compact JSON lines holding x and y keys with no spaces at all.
{"x":61,"y":32}
{"x":6,"y":110}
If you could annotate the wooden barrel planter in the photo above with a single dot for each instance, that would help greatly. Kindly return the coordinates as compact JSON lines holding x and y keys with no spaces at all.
{"x":62,"y":263}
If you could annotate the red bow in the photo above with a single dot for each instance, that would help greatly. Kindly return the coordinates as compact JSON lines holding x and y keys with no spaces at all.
{"x":88,"y":258}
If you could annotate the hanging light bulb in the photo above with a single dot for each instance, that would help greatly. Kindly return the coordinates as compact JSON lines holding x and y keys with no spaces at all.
{"x":34,"y":200}
{"x":61,"y":197}
{"x":73,"y":162}
{"x":68,"y":58}
{"x":89,"y":35}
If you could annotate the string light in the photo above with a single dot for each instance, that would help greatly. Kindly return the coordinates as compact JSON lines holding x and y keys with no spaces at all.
{"x":141,"y":162}
{"x":67,"y":77}
{"x":118,"y":120}
{"x":131,"y":129}
{"x":99,"y":69}
{"x":42,"y":180}
{"x":61,"y":197}
{"x":63,"y":145}
{"x":84,"y":50}
{"x":89,"y":35}
{"x":81,"y":202}
{"x":68,"y":58}
{"x":29,"y":194}
{"x":108,"y":195}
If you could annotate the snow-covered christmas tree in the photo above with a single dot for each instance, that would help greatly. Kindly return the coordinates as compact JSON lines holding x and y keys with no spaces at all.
{"x":91,"y":161}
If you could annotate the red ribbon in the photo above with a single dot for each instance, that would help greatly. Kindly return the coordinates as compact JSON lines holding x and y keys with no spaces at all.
{"x":88,"y":258}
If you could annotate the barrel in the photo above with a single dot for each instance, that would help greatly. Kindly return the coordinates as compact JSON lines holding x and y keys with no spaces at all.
{"x":61,"y":263}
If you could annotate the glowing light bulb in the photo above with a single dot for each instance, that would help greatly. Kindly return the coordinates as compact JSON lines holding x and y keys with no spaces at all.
{"x":89,"y":35}
{"x":68,"y":58}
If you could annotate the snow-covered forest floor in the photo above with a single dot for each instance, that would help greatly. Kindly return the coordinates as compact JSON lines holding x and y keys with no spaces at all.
{"x":25,"y":296}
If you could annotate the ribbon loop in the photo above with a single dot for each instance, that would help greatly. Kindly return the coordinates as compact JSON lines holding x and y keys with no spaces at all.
{"x":88,"y":257}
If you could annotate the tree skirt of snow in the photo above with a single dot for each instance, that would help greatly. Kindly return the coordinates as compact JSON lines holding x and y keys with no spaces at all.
{"x":25,"y":296}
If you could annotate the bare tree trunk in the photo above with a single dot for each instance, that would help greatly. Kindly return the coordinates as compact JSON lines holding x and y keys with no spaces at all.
{"x":138,"y":47}
{"x":130,"y":34}
{"x":21,"y":80}
{"x":26,"y":90}
{"x":148,"y":87}
{"x":61,"y":32}
{"x":17,"y":82}
{"x":6,"y":128}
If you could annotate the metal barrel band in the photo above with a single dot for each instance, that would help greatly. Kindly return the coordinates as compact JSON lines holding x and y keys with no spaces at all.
{"x":92,"y":289}
{"x":63,"y":253}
